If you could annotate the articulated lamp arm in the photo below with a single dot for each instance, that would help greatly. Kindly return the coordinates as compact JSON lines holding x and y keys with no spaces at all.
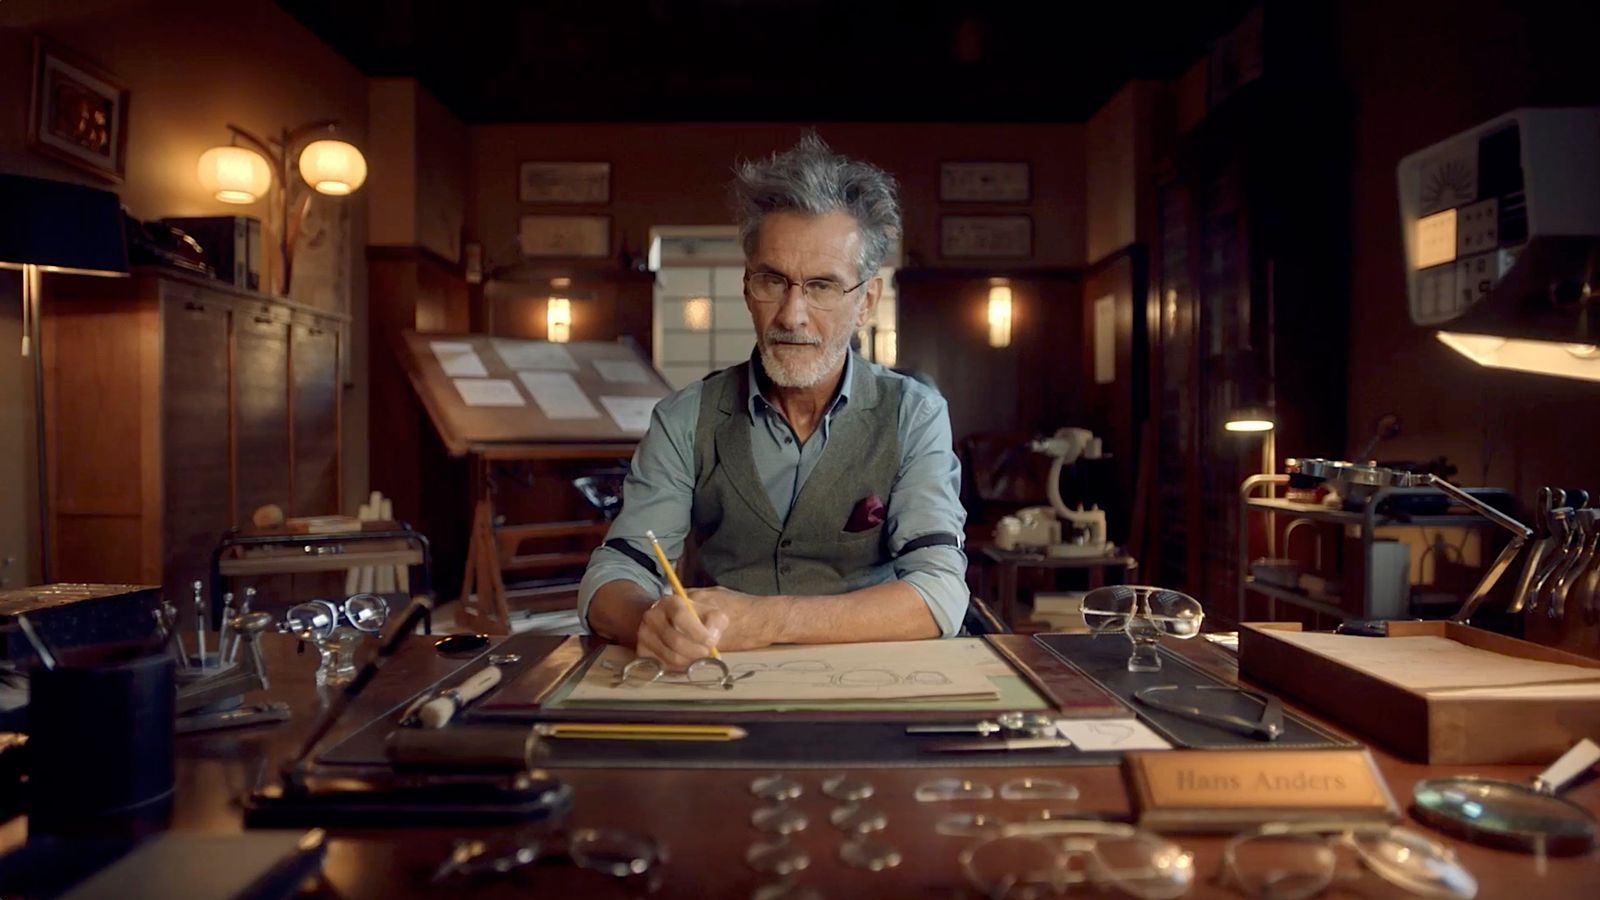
{"x":1519,"y":536}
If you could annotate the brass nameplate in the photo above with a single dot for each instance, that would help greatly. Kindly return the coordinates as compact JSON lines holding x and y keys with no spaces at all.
{"x":1200,"y":789}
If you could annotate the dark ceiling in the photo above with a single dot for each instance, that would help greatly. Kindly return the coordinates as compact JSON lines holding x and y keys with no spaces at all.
{"x":770,"y":60}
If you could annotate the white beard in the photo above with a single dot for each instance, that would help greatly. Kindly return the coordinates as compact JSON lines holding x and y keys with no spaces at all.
{"x":797,"y":373}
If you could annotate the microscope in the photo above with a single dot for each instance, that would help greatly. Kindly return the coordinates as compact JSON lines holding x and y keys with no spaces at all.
{"x":1040,"y":528}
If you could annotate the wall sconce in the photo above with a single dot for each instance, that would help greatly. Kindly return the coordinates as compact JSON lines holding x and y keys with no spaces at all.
{"x":235,"y":174}
{"x":999,"y":314}
{"x":558,"y":320}
{"x":697,"y":314}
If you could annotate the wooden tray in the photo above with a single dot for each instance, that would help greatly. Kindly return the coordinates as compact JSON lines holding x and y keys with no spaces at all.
{"x":1433,"y":724}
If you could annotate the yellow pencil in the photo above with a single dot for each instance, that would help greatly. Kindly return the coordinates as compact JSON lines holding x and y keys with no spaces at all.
{"x":638,"y":731}
{"x":672,"y":576}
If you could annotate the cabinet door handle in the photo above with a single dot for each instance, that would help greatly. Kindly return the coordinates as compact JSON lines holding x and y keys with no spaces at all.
{"x":192,"y":306}
{"x":313,"y":332}
{"x":263,"y":320}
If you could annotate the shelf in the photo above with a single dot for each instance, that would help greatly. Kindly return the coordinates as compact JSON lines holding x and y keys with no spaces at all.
{"x":1328,"y":605}
{"x":1318,"y":513}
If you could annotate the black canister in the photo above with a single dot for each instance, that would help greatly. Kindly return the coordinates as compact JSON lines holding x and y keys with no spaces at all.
{"x":100,"y":747}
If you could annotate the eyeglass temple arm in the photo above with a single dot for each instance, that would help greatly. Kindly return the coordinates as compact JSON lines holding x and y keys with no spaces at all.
{"x":1519,"y":536}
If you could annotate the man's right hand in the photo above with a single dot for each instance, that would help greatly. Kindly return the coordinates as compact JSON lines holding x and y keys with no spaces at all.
{"x":671,"y":633}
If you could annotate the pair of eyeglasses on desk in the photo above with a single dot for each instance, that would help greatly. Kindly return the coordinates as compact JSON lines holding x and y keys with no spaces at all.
{"x":1291,"y":861}
{"x":620,"y":854}
{"x":707,"y":673}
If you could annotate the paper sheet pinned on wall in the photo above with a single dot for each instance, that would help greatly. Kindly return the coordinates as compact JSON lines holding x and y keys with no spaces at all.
{"x":458,"y":359}
{"x":621,"y":371}
{"x":558,"y":395}
{"x":534,"y":355}
{"x":488,"y":392}
{"x":630,"y":413}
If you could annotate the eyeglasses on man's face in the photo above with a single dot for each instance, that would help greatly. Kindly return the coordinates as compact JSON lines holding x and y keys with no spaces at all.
{"x":822,"y":293}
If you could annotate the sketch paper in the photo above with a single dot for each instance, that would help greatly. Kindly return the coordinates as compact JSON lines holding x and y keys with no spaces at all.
{"x":630,"y":413}
{"x":534,"y":355}
{"x":458,"y":359}
{"x":934,"y":669}
{"x":621,"y":371}
{"x":558,"y":395}
{"x":488,"y":392}
{"x":1118,"y":735}
{"x":1433,"y":664}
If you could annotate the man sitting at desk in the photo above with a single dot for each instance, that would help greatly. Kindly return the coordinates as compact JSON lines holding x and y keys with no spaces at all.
{"x":821,"y":489}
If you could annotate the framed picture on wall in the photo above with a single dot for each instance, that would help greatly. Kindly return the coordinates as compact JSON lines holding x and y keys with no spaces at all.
{"x":78,"y":113}
{"x":985,"y":182}
{"x":565,"y":236}
{"x":986,"y":237}
{"x":564,"y":182}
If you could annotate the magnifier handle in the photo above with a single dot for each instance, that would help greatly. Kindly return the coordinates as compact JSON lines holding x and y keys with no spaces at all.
{"x":1572,"y":763}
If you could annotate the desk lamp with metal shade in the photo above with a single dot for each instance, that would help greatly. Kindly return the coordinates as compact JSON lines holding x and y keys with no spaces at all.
{"x":54,"y":226}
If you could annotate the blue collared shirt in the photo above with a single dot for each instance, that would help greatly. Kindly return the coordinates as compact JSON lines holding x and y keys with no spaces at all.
{"x":925,"y":499}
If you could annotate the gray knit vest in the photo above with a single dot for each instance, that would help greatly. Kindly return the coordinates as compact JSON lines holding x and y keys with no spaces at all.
{"x":743,"y":542}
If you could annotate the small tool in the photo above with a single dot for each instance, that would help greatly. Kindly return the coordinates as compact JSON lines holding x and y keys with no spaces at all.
{"x":1022,"y":724}
{"x":437,"y":711}
{"x":222,"y":630}
{"x":1269,"y":727}
{"x":244,"y":609}
{"x":638,"y":731}
{"x":46,"y":658}
{"x":200,"y":622}
{"x":1024,"y":743}
{"x":677,"y":586}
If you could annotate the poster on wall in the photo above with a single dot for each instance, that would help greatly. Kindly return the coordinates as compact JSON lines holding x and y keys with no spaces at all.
{"x":565,"y":236}
{"x":78,"y":113}
{"x":985,"y":237}
{"x":991,"y":182}
{"x":564,"y":182}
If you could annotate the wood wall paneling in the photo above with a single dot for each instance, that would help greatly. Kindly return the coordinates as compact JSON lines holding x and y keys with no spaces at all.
{"x":195,"y":433}
{"x":314,"y":366}
{"x":261,"y":410}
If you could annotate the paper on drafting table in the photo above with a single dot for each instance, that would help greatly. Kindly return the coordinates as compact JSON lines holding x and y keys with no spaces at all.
{"x":957,"y":668}
{"x":1432,"y":664}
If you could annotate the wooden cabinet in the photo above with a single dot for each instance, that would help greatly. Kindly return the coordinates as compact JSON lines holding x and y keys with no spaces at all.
{"x":174,"y":408}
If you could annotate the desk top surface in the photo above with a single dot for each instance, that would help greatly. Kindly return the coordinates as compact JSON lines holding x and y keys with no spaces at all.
{"x":703,"y":815}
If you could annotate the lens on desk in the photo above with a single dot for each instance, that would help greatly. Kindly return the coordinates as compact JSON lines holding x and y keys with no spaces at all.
{"x":1006,"y":866}
{"x":1288,"y":865}
{"x":779,"y":819}
{"x":617,"y":853}
{"x":854,"y":818}
{"x":1038,"y":789}
{"x":1408,"y":858}
{"x":776,"y":857}
{"x":969,"y":824}
{"x":869,"y":854}
{"x":101,"y":747}
{"x":1145,"y":865}
{"x":940,"y":790}
{"x":786,"y":890}
{"x":847,"y":787}
{"x":776,"y":787}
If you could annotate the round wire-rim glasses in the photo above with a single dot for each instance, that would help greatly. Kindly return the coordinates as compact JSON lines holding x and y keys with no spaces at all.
{"x":1029,"y":860}
{"x":706,"y":673}
{"x":1285,"y":861}
{"x":609,"y":851}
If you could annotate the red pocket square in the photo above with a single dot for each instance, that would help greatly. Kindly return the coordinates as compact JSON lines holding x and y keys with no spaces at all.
{"x":868,"y":514}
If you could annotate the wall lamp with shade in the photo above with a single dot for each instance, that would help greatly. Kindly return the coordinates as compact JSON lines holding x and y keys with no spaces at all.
{"x":999,"y":313}
{"x":243,"y":175}
{"x":54,"y":226}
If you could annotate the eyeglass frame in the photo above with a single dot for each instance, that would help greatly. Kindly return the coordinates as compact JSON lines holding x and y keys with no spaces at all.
{"x":657,"y":668}
{"x":790,"y":282}
{"x":1098,"y":873}
{"x":472,"y":858}
{"x":1330,"y":836}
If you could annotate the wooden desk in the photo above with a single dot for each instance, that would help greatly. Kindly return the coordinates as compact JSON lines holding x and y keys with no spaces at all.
{"x":1006,"y":563}
{"x":703,"y":815}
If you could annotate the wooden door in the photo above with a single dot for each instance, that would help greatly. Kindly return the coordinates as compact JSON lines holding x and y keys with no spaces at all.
{"x":197,"y":494}
{"x":262,"y":450}
{"x":314,"y":368}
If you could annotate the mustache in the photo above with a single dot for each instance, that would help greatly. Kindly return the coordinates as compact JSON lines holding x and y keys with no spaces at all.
{"x":784,"y":336}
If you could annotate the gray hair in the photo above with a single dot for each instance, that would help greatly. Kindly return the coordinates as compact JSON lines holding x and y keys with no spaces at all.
{"x":810,"y":178}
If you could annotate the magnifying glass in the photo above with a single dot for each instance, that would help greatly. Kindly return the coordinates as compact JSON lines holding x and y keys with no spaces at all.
{"x":1525,"y":817}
